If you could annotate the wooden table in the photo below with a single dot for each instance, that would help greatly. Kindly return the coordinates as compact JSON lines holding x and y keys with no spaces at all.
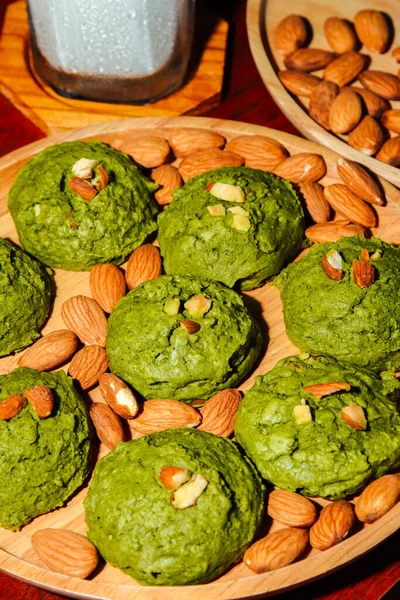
{"x":376,"y":575}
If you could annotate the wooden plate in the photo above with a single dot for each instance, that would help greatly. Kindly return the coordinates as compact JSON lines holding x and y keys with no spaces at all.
{"x":262,"y":18}
{"x":16,"y":555}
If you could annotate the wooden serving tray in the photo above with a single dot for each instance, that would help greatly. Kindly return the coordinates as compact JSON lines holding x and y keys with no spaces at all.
{"x":262,"y":18}
{"x":16,"y":554}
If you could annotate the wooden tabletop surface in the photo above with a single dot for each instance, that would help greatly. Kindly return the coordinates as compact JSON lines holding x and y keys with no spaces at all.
{"x":373,"y":577}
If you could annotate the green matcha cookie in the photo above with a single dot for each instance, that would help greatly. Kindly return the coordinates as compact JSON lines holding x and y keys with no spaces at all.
{"x":338,"y":318}
{"x":135,"y":526}
{"x":302,"y":443}
{"x":149,"y":346}
{"x":66,"y":231}
{"x":42,"y":462}
{"x":25,"y":295}
{"x":243,"y":232}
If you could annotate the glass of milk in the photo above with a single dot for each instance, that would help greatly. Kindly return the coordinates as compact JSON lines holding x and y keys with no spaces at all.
{"x":130,"y":51}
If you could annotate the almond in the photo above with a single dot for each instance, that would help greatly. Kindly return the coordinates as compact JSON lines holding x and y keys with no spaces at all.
{"x":158,"y":415}
{"x":321,"y":101}
{"x":83,"y":188}
{"x":334,"y":524}
{"x":188,"y":493}
{"x":346,"y":68}
{"x":354,"y":416}
{"x":190,"y":326}
{"x":298,"y":82}
{"x":345,"y":113}
{"x":378,"y":498}
{"x":169,"y":178}
{"x":226,"y":191}
{"x":396,"y":53}
{"x":317,"y":205}
{"x":383,"y":84}
{"x":276,"y":550}
{"x":219,"y":413}
{"x":340,"y":35}
{"x":309,"y":59}
{"x":291,"y":34}
{"x":143,"y":265}
{"x":107,"y":284}
{"x":332,"y":272}
{"x":118,"y":396}
{"x":333,"y":231}
{"x":319,"y":390}
{"x":107,"y":424}
{"x":207,"y":160}
{"x":367,"y":137}
{"x":391,"y":120}
{"x":258,"y":151}
{"x":390,"y":152}
{"x":358,"y":180}
{"x":304,"y":166}
{"x":363,"y":273}
{"x":65,"y":552}
{"x":11,"y":406}
{"x":41,"y":398}
{"x":350,"y":206}
{"x":101,"y":181}
{"x":186,"y":140}
{"x":291,"y":509}
{"x":88,"y":365}
{"x":372,"y":28}
{"x":149,"y":151}
{"x":374,"y":104}
{"x":50,"y":351}
{"x":173,"y":477}
{"x":364,"y":255}
{"x":86,"y":318}
{"x":83,"y":168}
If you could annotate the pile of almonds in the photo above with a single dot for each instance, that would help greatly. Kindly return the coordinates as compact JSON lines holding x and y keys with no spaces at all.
{"x":362,"y":113}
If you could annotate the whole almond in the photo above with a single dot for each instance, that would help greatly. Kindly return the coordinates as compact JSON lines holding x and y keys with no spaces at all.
{"x":83,"y":188}
{"x":276,"y":550}
{"x":65,"y":552}
{"x":367,"y":137}
{"x":107,"y":284}
{"x":358,"y":180}
{"x":378,"y":498}
{"x":333,"y":231}
{"x":381,"y":83}
{"x":391,"y":120}
{"x":143,"y":265}
{"x":305,"y":166}
{"x":373,"y":30}
{"x":317,"y":205}
{"x":346,"y":68}
{"x":158,"y":415}
{"x":107,"y":424}
{"x":291,"y":509}
{"x":11,"y":406}
{"x":375,"y":105}
{"x":309,"y":59}
{"x":390,"y":152}
{"x":206,"y":160}
{"x":118,"y":396}
{"x":299,"y":82}
{"x":345,"y":113}
{"x":186,"y":140}
{"x":334,"y":524}
{"x":169,"y":178}
{"x":50,"y":351}
{"x":41,"y":398}
{"x":290,"y":34}
{"x":319,"y":390}
{"x":88,"y":365}
{"x":340,"y":35}
{"x":321,"y":101}
{"x":219,"y":413}
{"x":149,"y":151}
{"x":86,"y":318}
{"x":258,"y":151}
{"x":350,"y":206}
{"x":363,"y":273}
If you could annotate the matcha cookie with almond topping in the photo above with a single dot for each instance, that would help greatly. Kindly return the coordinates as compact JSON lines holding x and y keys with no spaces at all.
{"x":78,"y":204}
{"x":233,"y":225}
{"x":182,"y":338}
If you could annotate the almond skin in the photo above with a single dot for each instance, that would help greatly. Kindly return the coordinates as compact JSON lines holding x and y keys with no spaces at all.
{"x":340,"y":35}
{"x":149,"y":151}
{"x":363,"y":273}
{"x":345,"y":113}
{"x":11,"y":406}
{"x":373,"y":30}
{"x":309,"y":59}
{"x":158,"y":415}
{"x":65,"y":552}
{"x":107,"y":284}
{"x":107,"y":424}
{"x":290,"y":34}
{"x":378,"y":498}
{"x":291,"y":509}
{"x":333,"y":231}
{"x":358,"y":180}
{"x":118,"y":396}
{"x":319,"y":390}
{"x":391,"y":120}
{"x":258,"y":151}
{"x":276,"y":550}
{"x":219,"y":413}
{"x":298,"y":82}
{"x":390,"y":152}
{"x":301,"y":167}
{"x":83,"y":188}
{"x":317,"y":205}
{"x":143,"y":265}
{"x":334,"y":523}
{"x":86,"y":318}
{"x":367,"y":137}
{"x":346,"y":68}
{"x":375,"y":105}
{"x":190,"y":326}
{"x":206,"y":160}
{"x":169,"y":178}
{"x":186,"y":140}
{"x":350,"y":206}
{"x":50,"y":351}
{"x":381,"y":83}
{"x":321,"y":101}
{"x":41,"y":398}
{"x":88,"y":365}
